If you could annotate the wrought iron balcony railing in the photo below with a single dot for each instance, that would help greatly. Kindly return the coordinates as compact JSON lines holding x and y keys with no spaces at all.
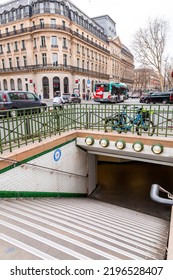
{"x":69,"y":68}
{"x":54,"y":27}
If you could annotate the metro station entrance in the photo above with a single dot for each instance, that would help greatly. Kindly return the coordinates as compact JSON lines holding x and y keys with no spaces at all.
{"x":127,"y":184}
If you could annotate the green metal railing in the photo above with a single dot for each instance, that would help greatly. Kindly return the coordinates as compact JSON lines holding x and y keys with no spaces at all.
{"x":26,"y":128}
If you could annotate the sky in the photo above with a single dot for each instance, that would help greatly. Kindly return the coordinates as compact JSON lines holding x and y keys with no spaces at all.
{"x":129,"y":15}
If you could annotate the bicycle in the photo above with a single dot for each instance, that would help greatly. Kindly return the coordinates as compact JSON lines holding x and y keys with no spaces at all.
{"x":122,"y":122}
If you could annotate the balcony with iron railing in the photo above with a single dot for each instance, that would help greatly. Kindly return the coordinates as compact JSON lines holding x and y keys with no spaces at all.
{"x":59,"y":67}
{"x":54,"y":27}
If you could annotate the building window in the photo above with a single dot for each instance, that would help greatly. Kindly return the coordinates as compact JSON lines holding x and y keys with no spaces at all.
{"x":23,"y":45}
{"x":43,"y":41}
{"x":21,"y":12}
{"x":52,"y":7}
{"x":44,"y":58}
{"x":62,"y":9}
{"x":83,"y":64}
{"x":63,"y":24}
{"x":55,"y":59}
{"x":24,"y":61}
{"x":33,"y":23}
{"x":83,"y":50}
{"x":10,"y":62}
{"x":78,"y":48}
{"x":64,"y":59}
{"x":3,"y":63}
{"x":56,"y":84}
{"x":36,"y":59}
{"x":53,"y":23}
{"x":92,"y":55}
{"x":19,"y":84}
{"x":6,"y":30}
{"x":87,"y":65}
{"x":1,"y":49}
{"x":41,"y":23}
{"x":17,"y":62}
{"x":35,"y":43}
{"x":41,"y":8}
{"x":6,"y":17}
{"x":15,"y":46}
{"x":66,"y":87}
{"x":14,"y":15}
{"x":8,"y":47}
{"x":12,"y":84}
{"x":54,"y":42}
{"x":92,"y":66}
{"x":5,"y":84}
{"x":45,"y":87}
{"x":78,"y":62}
{"x":64,"y":44}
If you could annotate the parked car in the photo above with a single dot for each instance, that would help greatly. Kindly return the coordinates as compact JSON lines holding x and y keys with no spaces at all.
{"x":71,"y":98}
{"x":159,"y":97}
{"x":12,"y":100}
{"x":144,"y":96}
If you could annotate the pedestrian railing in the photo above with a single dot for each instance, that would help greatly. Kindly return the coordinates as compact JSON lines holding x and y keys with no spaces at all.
{"x":26,"y":128}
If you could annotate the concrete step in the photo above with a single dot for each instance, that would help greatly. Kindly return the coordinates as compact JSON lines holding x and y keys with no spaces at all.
{"x":78,"y":228}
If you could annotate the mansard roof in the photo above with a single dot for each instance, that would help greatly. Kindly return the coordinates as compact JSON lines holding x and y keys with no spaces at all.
{"x":14,"y":4}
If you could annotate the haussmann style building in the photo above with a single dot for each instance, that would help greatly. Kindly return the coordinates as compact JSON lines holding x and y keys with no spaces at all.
{"x":49,"y":45}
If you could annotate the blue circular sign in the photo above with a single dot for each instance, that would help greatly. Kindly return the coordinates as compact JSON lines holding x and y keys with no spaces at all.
{"x":57,"y":155}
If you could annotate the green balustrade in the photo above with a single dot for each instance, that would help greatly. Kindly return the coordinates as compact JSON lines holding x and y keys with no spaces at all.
{"x":26,"y":128}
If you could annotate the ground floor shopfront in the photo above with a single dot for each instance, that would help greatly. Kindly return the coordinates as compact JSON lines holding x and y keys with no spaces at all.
{"x":44,"y":84}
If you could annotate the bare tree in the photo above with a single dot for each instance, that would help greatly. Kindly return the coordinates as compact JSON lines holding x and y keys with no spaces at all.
{"x":149,"y":45}
{"x":169,"y":70}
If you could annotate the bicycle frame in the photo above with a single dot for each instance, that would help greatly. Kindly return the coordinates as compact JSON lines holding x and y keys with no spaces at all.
{"x":126,"y":122}
{"x":123,"y":122}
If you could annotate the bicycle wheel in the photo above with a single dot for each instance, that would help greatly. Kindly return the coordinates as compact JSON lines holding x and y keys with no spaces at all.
{"x":116,"y":122}
{"x":146,"y":126}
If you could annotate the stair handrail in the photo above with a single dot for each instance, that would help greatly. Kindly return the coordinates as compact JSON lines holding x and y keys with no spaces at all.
{"x":154,"y":194}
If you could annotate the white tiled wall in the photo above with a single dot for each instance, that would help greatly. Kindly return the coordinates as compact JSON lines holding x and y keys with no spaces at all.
{"x":45,"y":174}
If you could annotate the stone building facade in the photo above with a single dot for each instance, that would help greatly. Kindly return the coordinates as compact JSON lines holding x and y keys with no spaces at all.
{"x":146,"y":79}
{"x":49,"y":45}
